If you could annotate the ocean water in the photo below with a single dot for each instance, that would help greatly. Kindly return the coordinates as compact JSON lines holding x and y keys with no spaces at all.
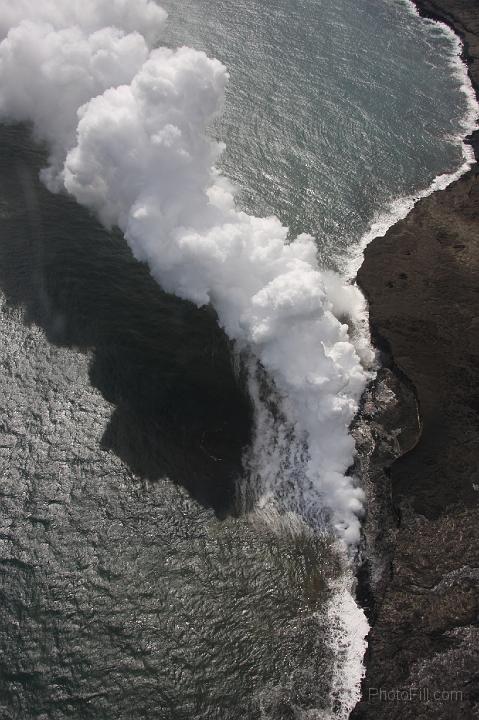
{"x":345,"y":107}
{"x":130,"y":586}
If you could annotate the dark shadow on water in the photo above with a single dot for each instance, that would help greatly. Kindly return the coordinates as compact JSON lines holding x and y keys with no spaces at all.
{"x":180,"y":409}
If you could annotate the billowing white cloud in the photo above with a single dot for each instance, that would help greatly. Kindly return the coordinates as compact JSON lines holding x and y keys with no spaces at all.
{"x":127,"y":129}
{"x":141,"y":16}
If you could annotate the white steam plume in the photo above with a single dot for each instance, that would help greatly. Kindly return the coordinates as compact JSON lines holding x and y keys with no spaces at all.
{"x":126,"y":127}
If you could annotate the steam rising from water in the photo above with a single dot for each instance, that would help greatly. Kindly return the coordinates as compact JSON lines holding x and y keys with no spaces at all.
{"x":126,"y":127}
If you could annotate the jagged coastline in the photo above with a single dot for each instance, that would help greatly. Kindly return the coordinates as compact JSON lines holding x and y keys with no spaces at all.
{"x":420,"y":584}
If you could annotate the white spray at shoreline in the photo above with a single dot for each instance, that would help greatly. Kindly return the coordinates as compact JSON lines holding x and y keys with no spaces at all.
{"x":400,"y":207}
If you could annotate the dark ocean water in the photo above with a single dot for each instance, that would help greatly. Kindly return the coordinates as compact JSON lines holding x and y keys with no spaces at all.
{"x":124,"y":590}
{"x":128,"y":587}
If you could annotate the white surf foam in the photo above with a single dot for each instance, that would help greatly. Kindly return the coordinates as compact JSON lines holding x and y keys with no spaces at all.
{"x":400,"y":207}
{"x":349,"y":629}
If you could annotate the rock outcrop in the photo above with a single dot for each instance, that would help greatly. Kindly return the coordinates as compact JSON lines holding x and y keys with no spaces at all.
{"x":422,"y":284}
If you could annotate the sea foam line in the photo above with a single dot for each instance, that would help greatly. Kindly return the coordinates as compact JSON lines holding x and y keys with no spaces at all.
{"x":400,"y":207}
{"x":350,"y":628}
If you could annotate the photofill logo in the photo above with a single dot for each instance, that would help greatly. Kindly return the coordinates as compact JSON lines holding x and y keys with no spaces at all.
{"x":413,"y":694}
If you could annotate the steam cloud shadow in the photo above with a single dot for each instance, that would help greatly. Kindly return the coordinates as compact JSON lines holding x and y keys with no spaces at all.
{"x":180,"y":409}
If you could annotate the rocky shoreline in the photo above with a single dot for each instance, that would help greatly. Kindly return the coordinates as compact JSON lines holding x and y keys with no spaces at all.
{"x":422,"y":284}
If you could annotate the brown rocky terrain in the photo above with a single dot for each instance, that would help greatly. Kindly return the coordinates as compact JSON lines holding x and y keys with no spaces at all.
{"x":422,"y":284}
